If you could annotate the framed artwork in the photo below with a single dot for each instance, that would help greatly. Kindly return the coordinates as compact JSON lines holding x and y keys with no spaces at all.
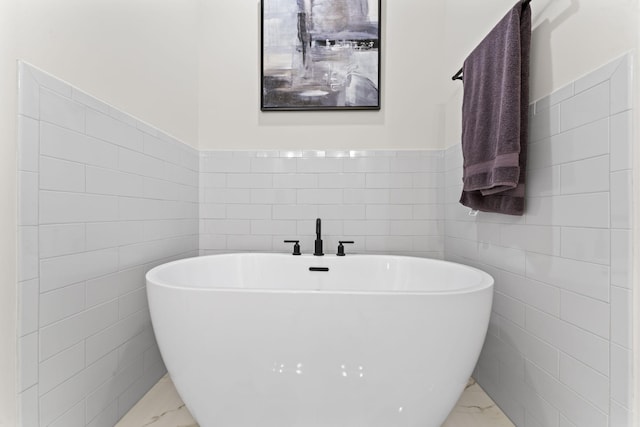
{"x":320,"y":55}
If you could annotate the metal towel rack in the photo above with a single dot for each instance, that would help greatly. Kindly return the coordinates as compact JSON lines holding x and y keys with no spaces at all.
{"x":458,"y":75}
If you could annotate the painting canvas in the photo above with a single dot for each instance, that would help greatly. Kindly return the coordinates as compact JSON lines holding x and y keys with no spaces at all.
{"x":320,"y":54}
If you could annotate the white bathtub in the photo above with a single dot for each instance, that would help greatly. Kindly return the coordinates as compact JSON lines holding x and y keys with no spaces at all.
{"x":258,"y":340}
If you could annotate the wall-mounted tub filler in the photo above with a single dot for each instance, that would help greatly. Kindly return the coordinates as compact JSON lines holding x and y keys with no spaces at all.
{"x":373,"y":340}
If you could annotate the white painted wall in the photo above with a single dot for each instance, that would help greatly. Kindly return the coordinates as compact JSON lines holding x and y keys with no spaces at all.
{"x":411,"y":85}
{"x":424,"y":42}
{"x":8,"y":89}
{"x":636,"y":235}
{"x":140,"y":56}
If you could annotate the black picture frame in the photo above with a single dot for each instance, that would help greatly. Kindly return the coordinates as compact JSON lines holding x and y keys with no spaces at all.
{"x":319,"y":55}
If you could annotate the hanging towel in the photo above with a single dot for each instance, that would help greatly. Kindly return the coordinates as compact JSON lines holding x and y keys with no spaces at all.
{"x":495,"y":111}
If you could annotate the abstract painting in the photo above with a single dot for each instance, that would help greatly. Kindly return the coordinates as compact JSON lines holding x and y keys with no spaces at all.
{"x":320,"y":55}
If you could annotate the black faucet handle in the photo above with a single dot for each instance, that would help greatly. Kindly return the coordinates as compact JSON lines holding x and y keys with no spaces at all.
{"x":341,"y":244}
{"x":296,"y":246}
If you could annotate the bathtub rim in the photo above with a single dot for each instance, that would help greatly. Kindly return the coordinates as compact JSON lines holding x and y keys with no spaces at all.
{"x":485,"y":282}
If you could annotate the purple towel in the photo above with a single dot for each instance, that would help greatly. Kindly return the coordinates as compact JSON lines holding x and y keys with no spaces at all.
{"x":495,"y":116}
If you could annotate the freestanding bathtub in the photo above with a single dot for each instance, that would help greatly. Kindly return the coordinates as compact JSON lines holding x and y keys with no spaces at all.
{"x":260,"y":340}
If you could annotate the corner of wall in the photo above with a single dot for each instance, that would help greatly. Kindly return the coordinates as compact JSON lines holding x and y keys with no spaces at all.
{"x":8,"y":258}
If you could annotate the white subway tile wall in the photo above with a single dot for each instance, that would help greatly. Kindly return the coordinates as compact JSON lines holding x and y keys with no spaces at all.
{"x":386,"y":201}
{"x":558,"y":351}
{"x":103,"y":198}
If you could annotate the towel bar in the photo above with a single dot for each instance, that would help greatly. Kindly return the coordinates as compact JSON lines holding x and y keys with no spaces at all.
{"x":458,"y":75}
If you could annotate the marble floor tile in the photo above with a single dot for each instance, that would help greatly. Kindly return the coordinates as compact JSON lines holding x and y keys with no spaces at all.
{"x":163,"y":407}
{"x":160,"y":407}
{"x":476,"y":409}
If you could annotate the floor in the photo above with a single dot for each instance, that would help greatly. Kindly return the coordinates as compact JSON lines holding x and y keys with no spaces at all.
{"x":162,"y":407}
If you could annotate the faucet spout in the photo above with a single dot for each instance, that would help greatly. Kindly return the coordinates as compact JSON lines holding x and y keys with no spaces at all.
{"x":318,"y":242}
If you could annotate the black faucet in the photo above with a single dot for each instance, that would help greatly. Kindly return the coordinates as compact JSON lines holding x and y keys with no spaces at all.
{"x":318,"y":243}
